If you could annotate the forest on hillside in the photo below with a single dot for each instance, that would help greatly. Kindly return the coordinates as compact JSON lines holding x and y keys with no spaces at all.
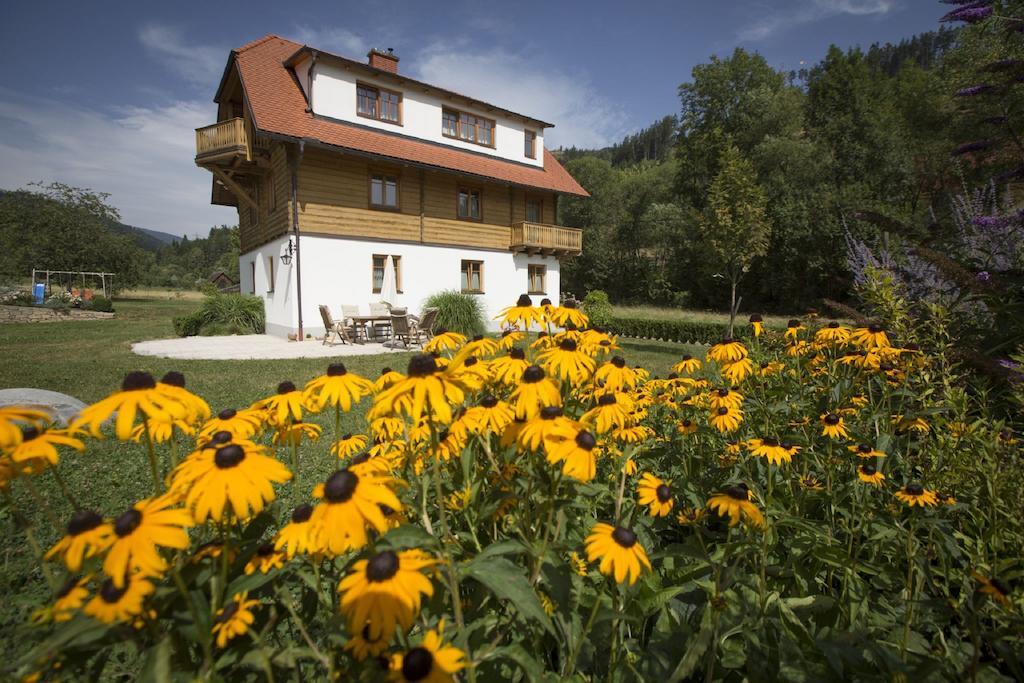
{"x":865,"y":147}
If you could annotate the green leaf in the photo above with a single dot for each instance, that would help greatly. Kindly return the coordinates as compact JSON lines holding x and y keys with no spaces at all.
{"x":533,"y":669}
{"x":507,"y":581}
{"x":409,"y":536}
{"x":698,"y":645}
{"x":157,"y":667}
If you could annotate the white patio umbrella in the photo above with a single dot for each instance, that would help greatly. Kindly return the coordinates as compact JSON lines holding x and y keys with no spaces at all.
{"x":389,"y":288}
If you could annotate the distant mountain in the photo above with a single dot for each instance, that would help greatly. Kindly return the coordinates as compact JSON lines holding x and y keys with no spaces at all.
{"x":654,"y":143}
{"x":150,"y":240}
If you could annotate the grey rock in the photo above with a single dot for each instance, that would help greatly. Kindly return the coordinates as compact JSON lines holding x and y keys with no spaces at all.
{"x":63,"y":407}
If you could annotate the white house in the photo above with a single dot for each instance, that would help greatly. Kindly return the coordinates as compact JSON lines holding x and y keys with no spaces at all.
{"x":337,"y":166}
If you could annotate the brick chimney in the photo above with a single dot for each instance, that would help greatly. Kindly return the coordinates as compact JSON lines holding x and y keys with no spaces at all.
{"x":386,"y":61}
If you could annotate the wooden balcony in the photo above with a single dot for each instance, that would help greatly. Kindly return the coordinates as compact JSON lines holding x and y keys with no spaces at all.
{"x":223,"y":141}
{"x":538,"y":238}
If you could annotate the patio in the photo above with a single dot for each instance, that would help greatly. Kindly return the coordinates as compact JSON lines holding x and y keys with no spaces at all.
{"x":253,"y":346}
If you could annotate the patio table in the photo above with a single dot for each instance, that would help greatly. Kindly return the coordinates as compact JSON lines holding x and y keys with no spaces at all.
{"x":361,"y":322}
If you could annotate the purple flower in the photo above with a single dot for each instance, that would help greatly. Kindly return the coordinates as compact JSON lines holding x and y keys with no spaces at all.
{"x":973,"y":90}
{"x":969,"y":13}
{"x":988,"y":221}
{"x":972,"y":147}
{"x":983,"y":276}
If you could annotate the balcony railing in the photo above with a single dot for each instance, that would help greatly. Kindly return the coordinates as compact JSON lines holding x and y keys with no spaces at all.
{"x":225,"y":138}
{"x":541,"y":238}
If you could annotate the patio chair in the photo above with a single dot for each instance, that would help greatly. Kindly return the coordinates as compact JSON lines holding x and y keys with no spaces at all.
{"x":332,"y":328}
{"x":422,"y":327}
{"x":382,"y":329}
{"x":347,"y":313}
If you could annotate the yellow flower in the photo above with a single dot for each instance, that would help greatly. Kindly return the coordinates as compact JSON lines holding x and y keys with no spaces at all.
{"x":869,"y":474}
{"x":425,"y":389}
{"x":865,"y":451}
{"x":13,"y":419}
{"x":522,"y":314}
{"x":687,"y":426}
{"x":727,"y":351}
{"x":172,"y":385}
{"x":612,"y":411}
{"x":444,"y":341}
{"x":870,"y":337}
{"x":793,"y":328}
{"x":737,"y":371}
{"x":339,"y":388}
{"x":87,"y":536}
{"x":578,"y":564}
{"x":615,"y":375}
{"x":265,"y":559}
{"x":633,"y":434}
{"x":458,"y":500}
{"x":833,"y":427}
{"x":567,"y":362}
{"x":284,"y":406}
{"x":915,"y":494}
{"x":575,"y":449}
{"x":725,"y":397}
{"x":770,"y":449}
{"x":41,"y":444}
{"x":385,"y":591}
{"x":114,"y":604}
{"x":362,"y":646}
{"x":490,"y":416}
{"x":619,"y":552}
{"x":431,"y":662}
{"x":351,"y":503}
{"x":388,"y":378}
{"x":535,"y":391}
{"x":757,"y":324}
{"x":567,"y":315}
{"x":234,"y":619}
{"x":687,"y":365}
{"x":735,"y":503}
{"x":811,"y":483}
{"x":70,"y":599}
{"x":688,"y":516}
{"x":291,"y":434}
{"x":241,"y":424}
{"x":725,"y":419}
{"x":508,"y":370}
{"x":139,"y":395}
{"x":655,"y":494}
{"x":140,"y":532}
{"x":833,"y":333}
{"x":348,"y":445}
{"x":299,"y":535}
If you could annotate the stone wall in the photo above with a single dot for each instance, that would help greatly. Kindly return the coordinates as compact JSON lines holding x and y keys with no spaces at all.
{"x":40,"y":314}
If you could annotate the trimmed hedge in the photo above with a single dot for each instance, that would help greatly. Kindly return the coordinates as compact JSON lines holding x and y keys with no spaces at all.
{"x":683,"y":331}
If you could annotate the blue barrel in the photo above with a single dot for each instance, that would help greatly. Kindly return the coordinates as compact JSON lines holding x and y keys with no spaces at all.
{"x":38,"y":292}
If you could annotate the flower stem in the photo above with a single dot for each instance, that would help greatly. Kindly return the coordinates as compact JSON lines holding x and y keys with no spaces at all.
{"x":153,"y":467}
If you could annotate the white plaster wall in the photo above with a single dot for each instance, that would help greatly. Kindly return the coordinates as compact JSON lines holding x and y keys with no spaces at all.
{"x":301,"y":69}
{"x":338,"y":271}
{"x":280,"y":305}
{"x":334,"y":95}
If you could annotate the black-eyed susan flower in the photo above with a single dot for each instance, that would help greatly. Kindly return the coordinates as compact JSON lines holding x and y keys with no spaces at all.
{"x":688,"y":516}
{"x":993,"y":587}
{"x":522,"y":315}
{"x":727,"y":351}
{"x":113,"y":604}
{"x":833,"y":333}
{"x":726,"y":419}
{"x":140,"y":532}
{"x":242,"y":424}
{"x":619,"y":552}
{"x":299,"y":535}
{"x":575,"y":449}
{"x":387,"y":427}
{"x":736,"y":503}
{"x":632,"y":434}
{"x":160,"y":432}
{"x":534,"y":392}
{"x":769,"y":368}
{"x":538,"y":430}
{"x":756,"y":324}
{"x":567,"y":362}
{"x":915,"y":494}
{"x":770,"y":449}
{"x":444,"y":341}
{"x":686,"y":426}
{"x":833,"y":426}
{"x":793,"y":328}
{"x":284,"y":406}
{"x":578,"y":564}
{"x":38,"y":443}
{"x":870,"y":337}
{"x":362,"y":645}
{"x":568,"y":315}
{"x":172,"y":385}
{"x":490,"y":416}
{"x":508,"y":369}
{"x":425,"y":390}
{"x":292,"y":434}
{"x":869,"y":474}
{"x":656,"y":494}
{"x":227,"y":478}
{"x":350,"y":503}
{"x":234,"y":619}
{"x":726,"y":397}
{"x":348,"y":445}
{"x":70,"y":598}
{"x":906,"y":424}
{"x":13,"y":419}
{"x":433,"y":661}
{"x":738,"y":371}
{"x":687,"y":365}
{"x":387,"y":378}
{"x":811,"y":482}
{"x":864,"y":450}
{"x":265,"y":559}
{"x":615,"y":375}
{"x":385,"y":591}
{"x":482,"y":346}
{"x":612,"y":410}
{"x":509,"y":338}
{"x":87,"y":535}
{"x":338,"y":388}
{"x":138,"y":396}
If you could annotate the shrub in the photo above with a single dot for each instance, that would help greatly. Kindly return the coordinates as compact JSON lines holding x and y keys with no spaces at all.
{"x":457,"y":312}
{"x":100,"y":303}
{"x":17,"y":297}
{"x":683,"y":331}
{"x":224,"y":314}
{"x":597,"y":307}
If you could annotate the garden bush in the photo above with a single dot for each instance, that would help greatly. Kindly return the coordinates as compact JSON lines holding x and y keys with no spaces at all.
{"x":597,"y":307}
{"x":830,"y":504}
{"x":99,"y":303}
{"x":223,"y":314}
{"x":457,"y":312}
{"x":683,"y":331}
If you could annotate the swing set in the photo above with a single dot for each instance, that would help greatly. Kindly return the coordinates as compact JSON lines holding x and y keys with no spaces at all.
{"x":67,"y":281}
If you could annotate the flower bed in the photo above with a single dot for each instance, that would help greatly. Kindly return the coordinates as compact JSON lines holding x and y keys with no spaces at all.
{"x":803,"y":505}
{"x":44,"y":314}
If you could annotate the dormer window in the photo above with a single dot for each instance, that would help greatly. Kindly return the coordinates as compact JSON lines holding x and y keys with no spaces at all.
{"x":530,"y":148}
{"x":377,"y":103}
{"x":467,"y":127}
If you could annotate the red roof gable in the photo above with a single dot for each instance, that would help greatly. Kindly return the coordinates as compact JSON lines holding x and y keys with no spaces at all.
{"x":279,"y":107}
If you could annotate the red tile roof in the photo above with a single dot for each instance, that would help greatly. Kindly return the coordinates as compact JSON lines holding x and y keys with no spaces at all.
{"x":279,"y":107}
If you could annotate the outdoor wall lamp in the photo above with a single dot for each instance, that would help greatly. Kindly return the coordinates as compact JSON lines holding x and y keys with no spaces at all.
{"x":286,"y":257}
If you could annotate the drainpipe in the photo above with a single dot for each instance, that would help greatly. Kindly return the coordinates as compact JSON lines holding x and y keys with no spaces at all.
{"x":309,"y":78}
{"x":295,"y":230}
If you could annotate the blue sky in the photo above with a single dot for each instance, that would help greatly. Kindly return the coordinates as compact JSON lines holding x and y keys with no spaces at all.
{"x":105,"y":94}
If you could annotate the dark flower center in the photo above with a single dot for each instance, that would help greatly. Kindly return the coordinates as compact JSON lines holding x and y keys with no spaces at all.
{"x":663,"y":492}
{"x":567,"y":345}
{"x":285,"y":387}
{"x":422,"y":365}
{"x":568,"y":303}
{"x":517,"y":353}
{"x":336,"y":369}
{"x":912,"y":346}
{"x":787,"y":445}
{"x":687,"y":357}
{"x":340,"y":486}
{"x":362,"y":457}
{"x":68,"y":586}
{"x":229,"y":456}
{"x":686,"y":423}
{"x":385,"y":510}
{"x":524,"y":301}
{"x":478,"y":337}
{"x":793,"y":323}
{"x":227,"y":413}
{"x":738,"y":492}
{"x":723,"y":411}
{"x":265,"y":549}
{"x":619,"y":362}
{"x":914,"y":489}
{"x":723,"y":392}
{"x":382,"y":566}
{"x":417,"y":663}
{"x":220,"y":437}
{"x":82,"y":521}
{"x":770,"y":441}
{"x":624,"y":537}
{"x":875,"y":328}
{"x":868,"y":470}
{"x":606,"y":400}
{"x":302,"y":513}
{"x":832,"y":419}
{"x":726,"y":341}
{"x":550,"y":412}
{"x":111,"y":593}
{"x":127,"y":522}
{"x":28,"y":433}
{"x":471,"y":361}
{"x":488,"y":401}
{"x":385,"y":370}
{"x":533,"y":374}
{"x":136,"y":380}
{"x":673,"y":375}
{"x":174,"y":378}
{"x":833,"y":325}
{"x":586,"y":440}
{"x":756,"y":318}
{"x":227,"y":613}
{"x":545,"y":301}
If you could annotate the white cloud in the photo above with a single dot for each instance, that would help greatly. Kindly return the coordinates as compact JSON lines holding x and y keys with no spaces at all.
{"x":775,"y":20}
{"x":332,"y":39}
{"x":200,"y":65}
{"x":142,"y":156}
{"x":510,"y":80}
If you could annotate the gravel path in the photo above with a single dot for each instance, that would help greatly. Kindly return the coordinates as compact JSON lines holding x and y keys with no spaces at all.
{"x":252,"y":346}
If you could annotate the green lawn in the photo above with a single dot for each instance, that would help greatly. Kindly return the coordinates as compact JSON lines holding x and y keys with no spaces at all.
{"x":88,"y":360}
{"x":658,"y":313}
